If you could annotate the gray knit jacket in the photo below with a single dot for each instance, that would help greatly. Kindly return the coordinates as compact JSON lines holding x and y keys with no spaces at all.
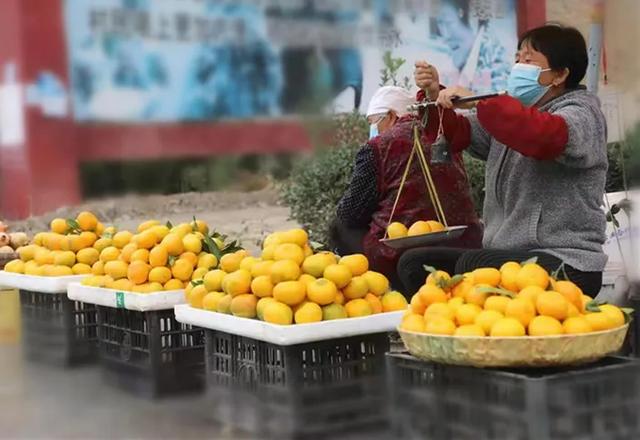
{"x":552,"y":206}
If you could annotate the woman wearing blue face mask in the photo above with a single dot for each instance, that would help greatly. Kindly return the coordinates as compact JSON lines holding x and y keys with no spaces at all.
{"x":546,"y":163}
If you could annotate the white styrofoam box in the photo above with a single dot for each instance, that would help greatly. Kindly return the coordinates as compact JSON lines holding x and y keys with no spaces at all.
{"x":288,"y":334}
{"x":38,"y":284}
{"x":141,"y":302}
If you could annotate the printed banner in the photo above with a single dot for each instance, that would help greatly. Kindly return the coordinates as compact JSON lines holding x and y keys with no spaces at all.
{"x":177,"y":60}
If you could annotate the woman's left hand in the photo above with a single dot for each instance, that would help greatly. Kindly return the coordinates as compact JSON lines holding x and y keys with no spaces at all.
{"x":446,"y":98}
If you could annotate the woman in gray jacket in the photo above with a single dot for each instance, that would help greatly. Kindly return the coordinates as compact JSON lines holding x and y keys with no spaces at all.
{"x":546,"y":164}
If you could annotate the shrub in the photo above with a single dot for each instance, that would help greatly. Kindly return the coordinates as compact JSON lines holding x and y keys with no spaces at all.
{"x":317,"y":183}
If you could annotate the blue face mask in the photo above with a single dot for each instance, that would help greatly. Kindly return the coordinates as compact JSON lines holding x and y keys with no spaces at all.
{"x":373,"y":130}
{"x":523,"y":83}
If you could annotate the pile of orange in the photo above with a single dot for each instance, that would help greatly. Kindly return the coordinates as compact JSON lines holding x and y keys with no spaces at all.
{"x":156,"y":258}
{"x":290,"y":283}
{"x":515,"y":300}
{"x":421,"y":227}
{"x":62,"y":251}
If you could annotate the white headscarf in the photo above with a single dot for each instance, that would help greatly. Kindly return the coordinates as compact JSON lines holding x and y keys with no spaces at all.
{"x":390,"y":98}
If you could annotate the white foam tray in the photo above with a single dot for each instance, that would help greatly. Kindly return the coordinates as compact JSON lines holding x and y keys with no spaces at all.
{"x":38,"y":284}
{"x":140,"y":302}
{"x":288,"y":334}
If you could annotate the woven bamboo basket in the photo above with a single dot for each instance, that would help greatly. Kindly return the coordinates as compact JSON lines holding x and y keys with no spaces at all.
{"x":546,"y":351}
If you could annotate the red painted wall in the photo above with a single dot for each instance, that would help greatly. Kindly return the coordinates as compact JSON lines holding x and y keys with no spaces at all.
{"x":43,"y":174}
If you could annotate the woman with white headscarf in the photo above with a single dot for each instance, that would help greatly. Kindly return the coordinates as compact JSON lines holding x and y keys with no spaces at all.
{"x":364,"y":210}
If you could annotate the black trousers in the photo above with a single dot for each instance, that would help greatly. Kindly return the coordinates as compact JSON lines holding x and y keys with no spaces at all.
{"x":458,"y":261}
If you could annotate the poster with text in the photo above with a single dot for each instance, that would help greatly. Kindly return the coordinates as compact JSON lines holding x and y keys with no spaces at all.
{"x":199,"y":60}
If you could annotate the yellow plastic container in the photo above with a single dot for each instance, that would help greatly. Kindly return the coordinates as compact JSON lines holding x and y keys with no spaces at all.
{"x":9,"y":317}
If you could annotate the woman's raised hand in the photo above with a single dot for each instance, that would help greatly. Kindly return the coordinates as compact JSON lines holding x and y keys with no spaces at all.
{"x":446,"y":97}
{"x":427,"y":79}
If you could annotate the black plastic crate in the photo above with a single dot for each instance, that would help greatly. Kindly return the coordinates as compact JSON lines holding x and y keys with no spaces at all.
{"x":57,"y":330}
{"x":324,"y":389}
{"x":634,"y":328}
{"x":598,"y":401}
{"x":150,"y":353}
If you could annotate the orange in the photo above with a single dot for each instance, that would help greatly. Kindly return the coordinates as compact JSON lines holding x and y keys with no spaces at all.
{"x":316,"y":264}
{"x":530,"y":293}
{"x":308,"y":312}
{"x":508,"y":276}
{"x":190,"y":257}
{"x":88,"y":256}
{"x":430,"y":294}
{"x":437,"y":277}
{"x":394,"y":301}
{"x":87,"y":221}
{"x":244,"y":306}
{"x":88,"y":238}
{"x":262,"y":286}
{"x":102,"y":243}
{"x":230,"y":262}
{"x":173,"y":244}
{"x":357,"y":288}
{"x":467,"y":313}
{"x":507,"y":327}
{"x":59,"y":226}
{"x":397,"y":230}
{"x":182,"y":270}
{"x":109,"y":254}
{"x":576,"y":325}
{"x":121,"y":239}
{"x":147,"y":225}
{"x":340,"y":274}
{"x":289,"y":251}
{"x":497,"y":302}
{"x":358,"y":307}
{"x":248,"y":262}
{"x":116,"y":269}
{"x":192,"y":243}
{"x":439,"y":325}
{"x":140,"y":255}
{"x":487,"y":275}
{"x":98,"y":268}
{"x":417,"y":306}
{"x":438,"y":309}
{"x":127,"y":252}
{"x":435,"y":226}
{"x":413,"y":323}
{"x":599,"y":321}
{"x":570,"y":291}
{"x":339,"y":299}
{"x":284,"y":270}
{"x":294,"y":236}
{"x":278,"y":313}
{"x":237,"y":283}
{"x":262,"y":303}
{"x":521,"y":309}
{"x":196,"y":296}
{"x":357,"y":264}
{"x":418,"y":228}
{"x":322,"y":291}
{"x":454,"y":303}
{"x":290,"y":292}
{"x":614,"y":313}
{"x":545,"y":326}
{"x":160,"y":275}
{"x":486,"y":319}
{"x":158,"y":256}
{"x":461,"y":289}
{"x":476,"y":295}
{"x":532,"y":274}
{"x":210,"y":301}
{"x":306,"y":278}
{"x":374,"y":302}
{"x":552,"y":304}
{"x":261,"y":268}
{"x":80,"y":269}
{"x":138,"y":272}
{"x":207,"y":261}
{"x":174,"y":284}
{"x":213,"y":280}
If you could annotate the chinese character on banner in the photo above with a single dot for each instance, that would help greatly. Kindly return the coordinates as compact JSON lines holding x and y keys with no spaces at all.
{"x":183,"y":26}
{"x":142,"y":24}
{"x":164,"y":28}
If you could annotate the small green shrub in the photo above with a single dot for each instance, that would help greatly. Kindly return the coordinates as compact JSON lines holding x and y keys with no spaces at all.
{"x":317,"y":183}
